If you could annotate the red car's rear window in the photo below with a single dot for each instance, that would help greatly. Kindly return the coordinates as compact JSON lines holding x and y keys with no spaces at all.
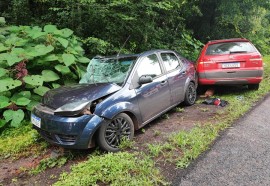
{"x":229,"y":48}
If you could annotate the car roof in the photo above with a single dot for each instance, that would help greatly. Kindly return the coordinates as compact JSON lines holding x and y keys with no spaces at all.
{"x":155,"y":50}
{"x":117,"y":56}
{"x":133,"y":55}
{"x":228,"y":40}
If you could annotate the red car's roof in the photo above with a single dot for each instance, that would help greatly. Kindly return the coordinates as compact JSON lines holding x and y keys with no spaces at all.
{"x":228,"y":40}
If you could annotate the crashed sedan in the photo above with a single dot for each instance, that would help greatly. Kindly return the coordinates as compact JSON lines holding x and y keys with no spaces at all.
{"x":117,"y":95}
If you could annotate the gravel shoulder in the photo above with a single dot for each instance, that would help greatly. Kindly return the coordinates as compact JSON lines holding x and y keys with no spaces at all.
{"x":241,"y":156}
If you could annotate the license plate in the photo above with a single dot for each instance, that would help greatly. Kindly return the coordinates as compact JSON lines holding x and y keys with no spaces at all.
{"x":35,"y":120}
{"x":231,"y":65}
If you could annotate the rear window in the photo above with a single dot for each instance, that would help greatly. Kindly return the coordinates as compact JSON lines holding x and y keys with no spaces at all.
{"x":170,"y":61}
{"x":229,"y":48}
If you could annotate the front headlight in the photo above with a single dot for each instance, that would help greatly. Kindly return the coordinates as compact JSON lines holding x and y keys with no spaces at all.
{"x":74,"y":108}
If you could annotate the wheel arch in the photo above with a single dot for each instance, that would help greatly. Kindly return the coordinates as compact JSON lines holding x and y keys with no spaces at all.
{"x":108,"y":114}
{"x":189,"y":80}
{"x":133,"y":118}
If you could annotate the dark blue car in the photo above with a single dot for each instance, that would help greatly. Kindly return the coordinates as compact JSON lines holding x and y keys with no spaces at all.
{"x":117,"y":95}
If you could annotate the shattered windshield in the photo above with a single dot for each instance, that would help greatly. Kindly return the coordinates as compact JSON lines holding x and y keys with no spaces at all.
{"x":112,"y":70}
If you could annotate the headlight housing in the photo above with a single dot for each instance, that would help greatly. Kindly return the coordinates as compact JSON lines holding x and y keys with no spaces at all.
{"x":74,"y":108}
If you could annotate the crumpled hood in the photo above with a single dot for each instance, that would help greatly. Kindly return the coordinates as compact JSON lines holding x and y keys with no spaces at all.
{"x":89,"y":92}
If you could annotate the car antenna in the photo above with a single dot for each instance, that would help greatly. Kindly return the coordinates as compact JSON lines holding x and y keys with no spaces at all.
{"x":122,"y":47}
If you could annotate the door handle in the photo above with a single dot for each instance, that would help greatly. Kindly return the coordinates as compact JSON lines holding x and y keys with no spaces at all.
{"x":184,"y":72}
{"x":163,"y":82}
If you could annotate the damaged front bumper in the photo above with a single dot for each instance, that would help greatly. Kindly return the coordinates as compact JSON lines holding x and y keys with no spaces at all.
{"x":69,"y":132}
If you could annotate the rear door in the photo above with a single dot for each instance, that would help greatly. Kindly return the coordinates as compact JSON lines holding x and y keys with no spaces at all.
{"x":154,"y":97}
{"x":176,"y":74}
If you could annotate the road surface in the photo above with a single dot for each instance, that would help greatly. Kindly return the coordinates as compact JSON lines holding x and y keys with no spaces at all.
{"x":241,"y":156}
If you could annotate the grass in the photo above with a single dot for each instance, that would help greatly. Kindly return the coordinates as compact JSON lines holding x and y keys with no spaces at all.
{"x":49,"y":163}
{"x":114,"y":169}
{"x":17,"y":142}
{"x":179,"y":109}
{"x":193,"y":143}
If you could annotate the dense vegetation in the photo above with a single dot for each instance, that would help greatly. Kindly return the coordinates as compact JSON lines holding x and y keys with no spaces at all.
{"x":33,"y":60}
{"x":44,"y":43}
{"x":103,"y":26}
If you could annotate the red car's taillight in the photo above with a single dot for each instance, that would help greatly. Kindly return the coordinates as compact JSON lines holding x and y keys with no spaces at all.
{"x":199,"y":65}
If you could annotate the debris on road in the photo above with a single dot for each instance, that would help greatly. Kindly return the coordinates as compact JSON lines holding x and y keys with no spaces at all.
{"x":215,"y":101}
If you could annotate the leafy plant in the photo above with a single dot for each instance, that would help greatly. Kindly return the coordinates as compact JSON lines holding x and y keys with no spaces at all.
{"x":165,"y":116}
{"x":20,"y":141}
{"x":179,"y":109}
{"x":126,"y":143}
{"x":32,"y":61}
{"x":49,"y":163}
{"x":193,"y":143}
{"x":155,"y":149}
{"x":114,"y":169}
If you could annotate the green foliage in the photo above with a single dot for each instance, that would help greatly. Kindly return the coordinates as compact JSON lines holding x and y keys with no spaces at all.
{"x":106,"y":25}
{"x":156,"y":149}
{"x":19,"y":141}
{"x":231,"y":19}
{"x":126,"y":143}
{"x":114,"y":169}
{"x":14,"y":116}
{"x":165,"y":116}
{"x":49,"y":163}
{"x":250,"y":21}
{"x":193,"y":143}
{"x":32,"y":61}
{"x":179,"y":109}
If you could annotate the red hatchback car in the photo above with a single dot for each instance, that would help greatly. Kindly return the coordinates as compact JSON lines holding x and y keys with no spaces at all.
{"x":230,"y":62}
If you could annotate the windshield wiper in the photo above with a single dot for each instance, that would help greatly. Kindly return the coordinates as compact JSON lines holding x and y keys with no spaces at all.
{"x":240,"y":51}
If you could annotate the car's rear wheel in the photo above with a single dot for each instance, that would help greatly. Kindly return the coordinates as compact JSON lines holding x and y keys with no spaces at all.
{"x":253,"y":86}
{"x":191,"y":94}
{"x":114,"y":131}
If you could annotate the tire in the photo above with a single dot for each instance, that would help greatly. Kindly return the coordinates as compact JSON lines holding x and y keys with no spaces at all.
{"x":111,"y":132}
{"x":253,"y":86}
{"x":190,"y":94}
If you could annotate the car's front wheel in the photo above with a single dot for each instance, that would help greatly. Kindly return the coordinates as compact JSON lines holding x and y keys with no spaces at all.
{"x":190,"y":95}
{"x":111,"y":133}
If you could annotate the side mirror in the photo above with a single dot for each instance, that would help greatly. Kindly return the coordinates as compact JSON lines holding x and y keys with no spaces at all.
{"x":145,"y":79}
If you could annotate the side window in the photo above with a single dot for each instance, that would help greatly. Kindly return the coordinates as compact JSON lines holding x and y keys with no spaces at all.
{"x":149,"y":66}
{"x":171,"y":62}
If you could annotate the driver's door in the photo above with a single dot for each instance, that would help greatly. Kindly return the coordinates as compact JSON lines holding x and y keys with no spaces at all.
{"x":153,"y":97}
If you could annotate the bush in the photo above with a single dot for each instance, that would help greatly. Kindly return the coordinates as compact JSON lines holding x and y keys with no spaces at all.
{"x":32,"y":61}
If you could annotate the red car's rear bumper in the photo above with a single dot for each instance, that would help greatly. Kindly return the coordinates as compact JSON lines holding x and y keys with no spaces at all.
{"x":231,"y":77}
{"x":231,"y":81}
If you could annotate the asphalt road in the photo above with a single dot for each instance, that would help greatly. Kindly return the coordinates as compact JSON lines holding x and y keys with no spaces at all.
{"x":241,"y":156}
